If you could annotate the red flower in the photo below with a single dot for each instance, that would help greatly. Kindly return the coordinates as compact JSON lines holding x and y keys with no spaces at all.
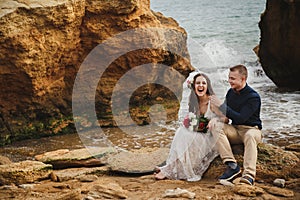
{"x":203,"y":122}
{"x":201,"y":125}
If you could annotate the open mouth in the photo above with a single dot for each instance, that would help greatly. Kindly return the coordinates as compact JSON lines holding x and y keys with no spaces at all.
{"x":200,"y":90}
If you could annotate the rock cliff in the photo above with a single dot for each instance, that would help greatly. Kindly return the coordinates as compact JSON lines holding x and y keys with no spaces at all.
{"x":279,"y":51}
{"x":44,"y":43}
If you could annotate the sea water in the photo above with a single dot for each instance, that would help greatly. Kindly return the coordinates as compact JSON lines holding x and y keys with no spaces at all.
{"x":227,"y":31}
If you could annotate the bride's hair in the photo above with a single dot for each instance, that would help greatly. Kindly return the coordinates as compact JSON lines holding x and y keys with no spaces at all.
{"x":194,"y":100}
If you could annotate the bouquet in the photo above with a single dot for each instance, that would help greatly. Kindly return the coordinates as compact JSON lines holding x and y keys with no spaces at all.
{"x":203,"y":122}
{"x":194,"y":123}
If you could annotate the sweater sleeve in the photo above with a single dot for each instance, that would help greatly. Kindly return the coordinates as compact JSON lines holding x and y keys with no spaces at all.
{"x":251,"y":106}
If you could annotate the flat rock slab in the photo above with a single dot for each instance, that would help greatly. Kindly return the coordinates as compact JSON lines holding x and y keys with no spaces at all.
{"x":279,"y":191}
{"x":105,"y":188}
{"x":138,"y":162}
{"x":24,"y":172}
{"x":248,"y":190}
{"x":4,"y":160}
{"x":85,"y":157}
{"x":72,"y":173}
{"x":293,"y":147}
{"x":11,"y":6}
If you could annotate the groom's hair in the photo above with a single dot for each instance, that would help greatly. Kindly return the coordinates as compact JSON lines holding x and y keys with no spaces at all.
{"x":241,"y":68}
{"x":194,"y":103}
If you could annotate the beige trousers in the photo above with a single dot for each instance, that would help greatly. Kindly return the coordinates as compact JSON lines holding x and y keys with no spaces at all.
{"x":239,"y":134}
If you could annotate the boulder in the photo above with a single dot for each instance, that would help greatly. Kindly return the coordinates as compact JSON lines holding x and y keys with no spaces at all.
{"x":24,"y":172}
{"x":44,"y":44}
{"x":273,"y":162}
{"x":279,"y":52}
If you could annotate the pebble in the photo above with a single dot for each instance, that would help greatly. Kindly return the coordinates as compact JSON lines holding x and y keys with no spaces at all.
{"x":178,"y":192}
{"x":279,"y":182}
{"x":226,"y":183}
{"x":26,"y":186}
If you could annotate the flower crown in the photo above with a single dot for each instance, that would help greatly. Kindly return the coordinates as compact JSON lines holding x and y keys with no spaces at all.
{"x":189,"y":83}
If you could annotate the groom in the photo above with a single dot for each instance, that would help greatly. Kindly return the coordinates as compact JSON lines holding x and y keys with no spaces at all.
{"x":242,"y":106}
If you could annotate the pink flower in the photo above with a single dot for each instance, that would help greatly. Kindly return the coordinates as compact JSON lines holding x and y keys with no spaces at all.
{"x":189,"y":84}
{"x":186,"y":122}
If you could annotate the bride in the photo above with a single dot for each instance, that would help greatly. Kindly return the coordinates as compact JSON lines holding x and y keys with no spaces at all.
{"x":193,"y":146}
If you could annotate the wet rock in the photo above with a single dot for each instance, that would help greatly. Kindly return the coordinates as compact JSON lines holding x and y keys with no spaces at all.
{"x":279,"y":182}
{"x":72,"y":173}
{"x":24,"y":172}
{"x":138,"y":162}
{"x":85,"y":157}
{"x":248,"y":190}
{"x":179,"y":193}
{"x":4,"y":160}
{"x":279,"y":191}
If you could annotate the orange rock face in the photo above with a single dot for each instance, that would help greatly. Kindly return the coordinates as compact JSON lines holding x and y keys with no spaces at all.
{"x":44,"y":44}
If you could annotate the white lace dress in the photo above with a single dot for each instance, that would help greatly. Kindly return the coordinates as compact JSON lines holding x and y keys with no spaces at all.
{"x":190,"y":153}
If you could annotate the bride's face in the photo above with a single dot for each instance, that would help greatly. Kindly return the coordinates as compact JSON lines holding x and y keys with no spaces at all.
{"x":200,"y":86}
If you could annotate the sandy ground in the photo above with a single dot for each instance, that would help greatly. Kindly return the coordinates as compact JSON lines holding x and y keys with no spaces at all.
{"x":135,"y":188}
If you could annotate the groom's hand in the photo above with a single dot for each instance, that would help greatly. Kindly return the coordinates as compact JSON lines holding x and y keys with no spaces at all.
{"x":215,"y":101}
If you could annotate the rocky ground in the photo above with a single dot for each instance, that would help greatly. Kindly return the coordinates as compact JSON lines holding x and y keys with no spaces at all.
{"x":108,"y":174}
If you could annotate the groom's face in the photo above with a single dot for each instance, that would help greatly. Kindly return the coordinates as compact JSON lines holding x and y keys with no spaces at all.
{"x":236,"y":80}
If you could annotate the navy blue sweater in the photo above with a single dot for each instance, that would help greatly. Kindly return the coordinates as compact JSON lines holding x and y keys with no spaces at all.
{"x":243,"y":107}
